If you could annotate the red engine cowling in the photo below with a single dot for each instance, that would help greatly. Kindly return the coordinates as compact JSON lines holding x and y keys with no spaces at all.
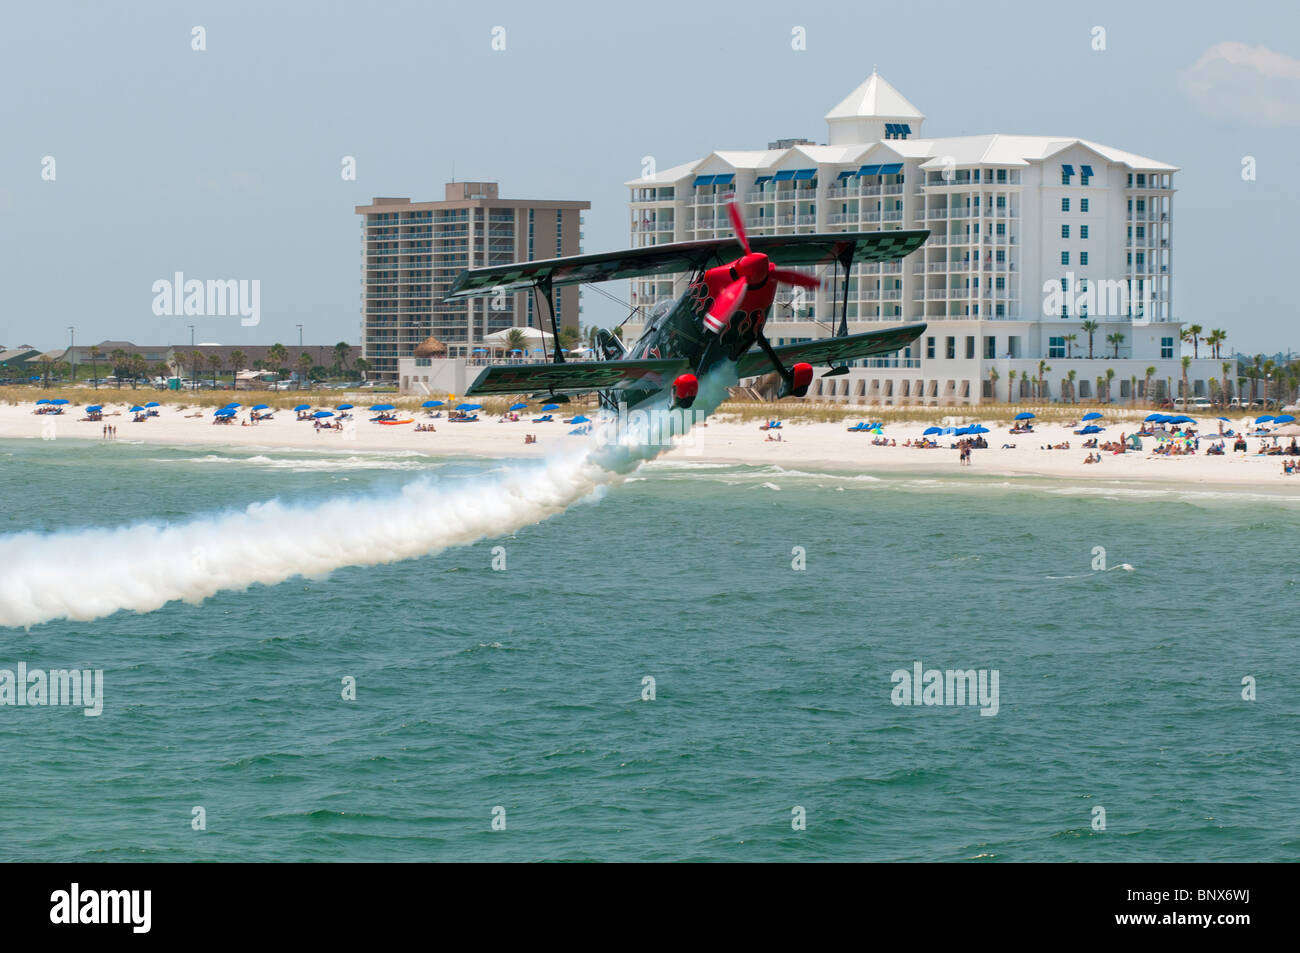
{"x":685,"y":389}
{"x":803,"y":375}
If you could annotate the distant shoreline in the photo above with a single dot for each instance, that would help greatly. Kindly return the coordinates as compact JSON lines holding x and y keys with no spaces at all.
{"x":818,"y":445}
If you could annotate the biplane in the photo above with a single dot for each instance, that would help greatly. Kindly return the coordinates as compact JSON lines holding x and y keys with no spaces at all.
{"x":720,"y":317}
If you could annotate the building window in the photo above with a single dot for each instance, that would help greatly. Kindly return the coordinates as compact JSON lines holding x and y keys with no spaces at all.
{"x":970,"y":347}
{"x":1083,"y":205}
{"x":1065,"y":258}
{"x":1166,"y":347}
{"x":929,"y":348}
{"x":1083,"y":258}
{"x":1065,"y":231}
{"x":950,"y":348}
{"x":1083,"y":231}
{"x":1065,"y":177}
{"x":1065,"y":205}
{"x":990,"y":345}
{"x":1056,"y":347}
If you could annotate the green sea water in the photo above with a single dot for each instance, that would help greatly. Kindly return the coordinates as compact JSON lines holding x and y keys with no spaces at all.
{"x":519,"y":693}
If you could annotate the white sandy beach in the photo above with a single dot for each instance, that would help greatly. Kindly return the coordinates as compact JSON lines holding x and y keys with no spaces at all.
{"x":820,"y":445}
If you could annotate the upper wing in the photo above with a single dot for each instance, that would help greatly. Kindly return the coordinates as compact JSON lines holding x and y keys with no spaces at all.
{"x":686,"y":257}
{"x":829,"y":350}
{"x":576,"y":377}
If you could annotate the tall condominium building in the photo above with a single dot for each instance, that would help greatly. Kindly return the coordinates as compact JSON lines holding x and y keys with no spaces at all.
{"x":1031,"y":236}
{"x":411,"y":252}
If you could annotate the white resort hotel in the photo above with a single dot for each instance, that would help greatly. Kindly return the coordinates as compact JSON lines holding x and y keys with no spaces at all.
{"x":1030,"y":237}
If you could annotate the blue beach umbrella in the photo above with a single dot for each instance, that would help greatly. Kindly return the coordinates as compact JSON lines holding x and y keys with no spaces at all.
{"x":551,"y":407}
{"x":1091,"y":416}
{"x":1284,"y":419}
{"x":94,"y":407}
{"x":58,"y":401}
{"x":469,"y":406}
{"x":979,"y":428}
{"x":323,"y":413}
{"x":1261,"y":419}
{"x":43,"y":400}
{"x":518,"y":406}
{"x":302,"y":407}
{"x":345,"y":407}
{"x":432,"y":403}
{"x":931,"y":431}
{"x":225,"y":412}
{"x":580,"y":420}
{"x":153,"y":403}
{"x":1024,"y":415}
{"x":260,"y":407}
{"x":136,"y":410}
{"x":382,"y":407}
{"x":1157,"y":418}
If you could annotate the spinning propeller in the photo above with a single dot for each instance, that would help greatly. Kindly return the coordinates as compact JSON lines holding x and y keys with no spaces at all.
{"x":751,"y":272}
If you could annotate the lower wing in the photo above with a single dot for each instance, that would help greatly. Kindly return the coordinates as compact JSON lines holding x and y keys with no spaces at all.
{"x":830,"y":350}
{"x":577,"y":377}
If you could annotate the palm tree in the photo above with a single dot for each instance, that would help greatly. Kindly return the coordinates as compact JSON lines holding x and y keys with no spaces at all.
{"x":1101,"y":386}
{"x":161,"y":369}
{"x":238,"y":359}
{"x":1070,"y":340}
{"x":304,"y":368}
{"x":95,"y":356}
{"x":1269,"y":368}
{"x":361,"y":365}
{"x":138,"y":368}
{"x":277,"y":356}
{"x":993,"y":383}
{"x":1110,"y":376}
{"x":1132,"y":389}
{"x":341,"y":352}
{"x":118,"y":357}
{"x":196,"y":366}
{"x":1194,"y":331}
{"x":1011,"y":383}
{"x":1074,"y":395}
{"x":1214,"y":339}
{"x":1090,"y":327}
{"x":516,"y":341}
{"x":1042,"y":369}
{"x":1116,"y":339}
{"x":1186,"y":362}
{"x":1258,"y":372}
{"x":1146,"y":386}
{"x":214,"y":365}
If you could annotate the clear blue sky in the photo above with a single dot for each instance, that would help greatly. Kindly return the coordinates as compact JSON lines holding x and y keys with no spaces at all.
{"x":225,"y":163}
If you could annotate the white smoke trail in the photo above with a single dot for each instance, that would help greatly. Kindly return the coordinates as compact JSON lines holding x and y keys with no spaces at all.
{"x":90,"y":573}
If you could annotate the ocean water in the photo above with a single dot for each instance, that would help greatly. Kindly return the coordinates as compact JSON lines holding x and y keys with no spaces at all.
{"x":519,"y":693}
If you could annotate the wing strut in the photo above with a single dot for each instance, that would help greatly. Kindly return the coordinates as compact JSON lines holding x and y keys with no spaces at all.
{"x":544,"y":286}
{"x":843,"y":260}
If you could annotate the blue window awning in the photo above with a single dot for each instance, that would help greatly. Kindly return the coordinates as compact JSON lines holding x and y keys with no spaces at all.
{"x":762,"y":178}
{"x":804,"y":174}
{"x":904,"y":128}
{"x":785,"y":175}
{"x":703,"y":180}
{"x":869,"y":170}
{"x":1067,"y":170}
{"x":892,"y":169}
{"x":1087,"y":170}
{"x":724,"y":179}
{"x":844,"y":175}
